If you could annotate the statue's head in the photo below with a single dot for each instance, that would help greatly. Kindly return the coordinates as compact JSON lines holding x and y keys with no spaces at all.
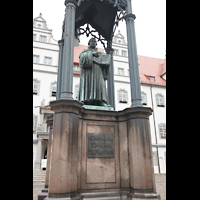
{"x":92,"y":43}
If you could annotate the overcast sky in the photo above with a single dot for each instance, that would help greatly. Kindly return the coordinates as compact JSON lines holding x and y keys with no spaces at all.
{"x":150,"y":24}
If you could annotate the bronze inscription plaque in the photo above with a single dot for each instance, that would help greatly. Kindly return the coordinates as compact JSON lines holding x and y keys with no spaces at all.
{"x":100,"y":145}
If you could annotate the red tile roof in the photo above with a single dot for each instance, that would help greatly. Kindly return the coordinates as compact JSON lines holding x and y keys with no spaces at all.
{"x":148,"y":67}
{"x":152,"y":67}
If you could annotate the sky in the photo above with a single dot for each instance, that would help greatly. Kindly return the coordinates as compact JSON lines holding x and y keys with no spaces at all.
{"x":150,"y":24}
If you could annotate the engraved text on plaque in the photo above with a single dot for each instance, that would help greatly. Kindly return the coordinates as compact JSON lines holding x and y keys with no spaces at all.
{"x":100,"y":145}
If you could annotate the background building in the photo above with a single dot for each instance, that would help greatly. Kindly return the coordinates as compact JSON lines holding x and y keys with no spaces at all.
{"x":45,"y":66}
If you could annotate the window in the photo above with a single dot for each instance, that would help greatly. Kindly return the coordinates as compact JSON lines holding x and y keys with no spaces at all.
{"x":76,"y":91}
{"x":160,"y":100}
{"x":119,"y":41}
{"x":116,"y":51}
{"x":53,"y":89}
{"x":34,"y":37}
{"x":47,"y":60}
{"x":155,"y":158}
{"x":35,"y":87}
{"x":39,"y":25}
{"x":35,"y":59}
{"x":124,"y":53}
{"x":120,"y":71}
{"x":76,"y":68}
{"x":162,"y":130}
{"x":144,"y":98}
{"x":122,"y":95}
{"x":43,"y":38}
{"x":152,"y":78}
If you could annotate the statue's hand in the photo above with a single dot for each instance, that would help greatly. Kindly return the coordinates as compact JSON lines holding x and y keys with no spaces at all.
{"x":96,"y":54}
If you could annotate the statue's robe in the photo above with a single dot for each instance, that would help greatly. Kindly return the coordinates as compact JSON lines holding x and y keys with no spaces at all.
{"x":94,"y":72}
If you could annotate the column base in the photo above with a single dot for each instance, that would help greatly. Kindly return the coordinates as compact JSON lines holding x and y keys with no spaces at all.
{"x":110,"y":195}
{"x":115,"y":194}
{"x":64,"y":198}
{"x":144,"y":196}
{"x":42,"y":195}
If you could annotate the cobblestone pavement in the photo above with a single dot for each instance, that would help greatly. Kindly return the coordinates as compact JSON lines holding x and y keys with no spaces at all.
{"x":160,"y":187}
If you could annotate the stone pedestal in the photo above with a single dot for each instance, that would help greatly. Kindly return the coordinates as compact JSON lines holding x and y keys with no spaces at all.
{"x":101,"y":154}
{"x":64,"y":160}
{"x":129,"y":173}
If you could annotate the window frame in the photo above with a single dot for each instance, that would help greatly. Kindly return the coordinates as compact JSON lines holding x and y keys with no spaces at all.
{"x":38,"y":86}
{"x":143,"y":94}
{"x":43,"y":36}
{"x":51,"y":91}
{"x":122,"y":99}
{"x":75,"y":67}
{"x":76,"y":91}
{"x":122,"y":70}
{"x":162,"y":130}
{"x":152,"y":78}
{"x":116,"y":52}
{"x":46,"y":57}
{"x":34,"y":37}
{"x":158,"y":98}
{"x":124,"y":53}
{"x":38,"y":57}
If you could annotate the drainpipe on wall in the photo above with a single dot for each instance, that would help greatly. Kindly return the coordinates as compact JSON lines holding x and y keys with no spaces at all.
{"x":155,"y":129}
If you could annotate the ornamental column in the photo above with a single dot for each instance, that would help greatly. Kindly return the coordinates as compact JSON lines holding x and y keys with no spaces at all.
{"x":133,"y":58}
{"x":60,"y":63}
{"x":68,"y":50}
{"x":110,"y":82}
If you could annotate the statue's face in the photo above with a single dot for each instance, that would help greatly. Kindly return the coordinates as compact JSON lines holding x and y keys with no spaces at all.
{"x":93,"y":43}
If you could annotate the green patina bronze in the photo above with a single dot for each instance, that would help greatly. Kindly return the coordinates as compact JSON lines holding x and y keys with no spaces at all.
{"x":94,"y":72}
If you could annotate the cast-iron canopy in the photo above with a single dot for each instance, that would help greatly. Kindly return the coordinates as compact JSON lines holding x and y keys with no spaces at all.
{"x":100,"y":14}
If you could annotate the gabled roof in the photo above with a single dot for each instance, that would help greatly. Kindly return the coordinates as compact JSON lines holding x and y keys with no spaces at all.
{"x":41,"y":20}
{"x":119,"y":35}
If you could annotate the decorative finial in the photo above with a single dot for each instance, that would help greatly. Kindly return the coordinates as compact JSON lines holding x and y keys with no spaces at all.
{"x":40,"y":14}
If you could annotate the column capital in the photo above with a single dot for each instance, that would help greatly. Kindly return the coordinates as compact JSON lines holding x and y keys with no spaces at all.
{"x":70,"y":1}
{"x":129,"y":17}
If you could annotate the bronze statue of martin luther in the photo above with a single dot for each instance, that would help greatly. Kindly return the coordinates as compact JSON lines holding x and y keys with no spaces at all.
{"x":94,"y":71}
